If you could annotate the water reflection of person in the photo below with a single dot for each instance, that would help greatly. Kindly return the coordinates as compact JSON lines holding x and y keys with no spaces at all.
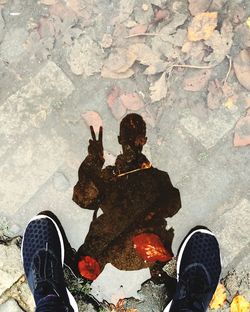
{"x":134,"y":196}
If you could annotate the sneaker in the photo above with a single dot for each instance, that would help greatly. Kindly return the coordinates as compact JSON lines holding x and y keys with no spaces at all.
{"x":198,"y":271}
{"x":43,"y":258}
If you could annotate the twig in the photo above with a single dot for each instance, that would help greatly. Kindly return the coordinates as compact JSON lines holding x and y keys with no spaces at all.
{"x":193,"y":66}
{"x":142,"y":34}
{"x":229,"y":68}
{"x":132,"y":171}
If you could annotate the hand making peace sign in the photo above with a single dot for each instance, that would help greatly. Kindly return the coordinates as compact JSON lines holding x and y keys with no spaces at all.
{"x":95,"y":147}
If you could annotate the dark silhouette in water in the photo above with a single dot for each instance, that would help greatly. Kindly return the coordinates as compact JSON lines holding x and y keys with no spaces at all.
{"x":135,"y":199}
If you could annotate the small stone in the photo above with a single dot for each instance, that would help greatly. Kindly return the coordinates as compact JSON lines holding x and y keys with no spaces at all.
{"x":61,"y":183}
{"x":145,"y":7}
{"x":11,"y":268}
{"x":10,"y":306}
{"x":106,"y":41}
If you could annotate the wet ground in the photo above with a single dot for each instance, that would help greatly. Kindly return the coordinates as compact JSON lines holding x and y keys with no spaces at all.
{"x":65,"y":65}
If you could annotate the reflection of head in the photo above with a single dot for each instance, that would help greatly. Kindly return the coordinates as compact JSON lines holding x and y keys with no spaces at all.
{"x":132,"y":132}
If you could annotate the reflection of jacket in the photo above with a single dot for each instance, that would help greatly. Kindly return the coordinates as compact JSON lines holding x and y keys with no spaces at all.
{"x":143,"y":195}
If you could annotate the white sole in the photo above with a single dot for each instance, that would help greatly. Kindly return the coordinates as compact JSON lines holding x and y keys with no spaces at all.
{"x":179,"y":256}
{"x":71,"y":298}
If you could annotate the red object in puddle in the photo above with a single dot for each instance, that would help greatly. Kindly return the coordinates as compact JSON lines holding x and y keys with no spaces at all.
{"x":89,"y":268}
{"x":150,"y":248}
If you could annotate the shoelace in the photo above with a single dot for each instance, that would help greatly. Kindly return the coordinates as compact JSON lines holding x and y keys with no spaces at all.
{"x":44,"y":273}
{"x":193,"y":300}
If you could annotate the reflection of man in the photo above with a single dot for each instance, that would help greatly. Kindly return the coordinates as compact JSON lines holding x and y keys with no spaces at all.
{"x":135,"y":199}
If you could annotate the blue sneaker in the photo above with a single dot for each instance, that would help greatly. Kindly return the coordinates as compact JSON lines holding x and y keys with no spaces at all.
{"x":43,"y":258}
{"x":198,"y":272}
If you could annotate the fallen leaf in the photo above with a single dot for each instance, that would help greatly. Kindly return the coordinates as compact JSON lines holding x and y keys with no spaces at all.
{"x":106,"y":73}
{"x":158,"y":90}
{"x":243,"y":36}
{"x":202,"y":26}
{"x":220,"y":43}
{"x":150,"y":248}
{"x":125,"y":9}
{"x":241,"y":64}
{"x":78,"y":7}
{"x":138,"y":29}
{"x":195,"y":7}
{"x":115,"y":104}
{"x":248,"y":22}
{"x":156,"y":68}
{"x":131,"y":101}
{"x":177,"y":20}
{"x":198,"y":80}
{"x":194,"y":51}
{"x":242,"y":131}
{"x":46,"y":27}
{"x":177,"y":39}
{"x":239,"y":14}
{"x":92,"y":118}
{"x":48,"y":2}
{"x":120,"y":60}
{"x":85,"y":57}
{"x":160,"y":15}
{"x":144,"y":54}
{"x":239,"y":304}
{"x":215,"y":95}
{"x":219,"y":297}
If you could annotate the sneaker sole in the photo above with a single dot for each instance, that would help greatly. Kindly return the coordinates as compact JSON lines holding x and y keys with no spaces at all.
{"x":180,"y":253}
{"x":71,"y":298}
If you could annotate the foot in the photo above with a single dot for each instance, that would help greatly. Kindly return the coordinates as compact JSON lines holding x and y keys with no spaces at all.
{"x":43,"y":259}
{"x":198,"y":272}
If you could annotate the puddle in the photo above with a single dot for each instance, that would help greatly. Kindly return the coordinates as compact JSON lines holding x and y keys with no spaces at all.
{"x":135,"y":199}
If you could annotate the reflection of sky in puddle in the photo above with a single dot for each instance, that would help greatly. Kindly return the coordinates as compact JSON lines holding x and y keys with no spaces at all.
{"x":113,"y":284}
{"x":128,"y":243}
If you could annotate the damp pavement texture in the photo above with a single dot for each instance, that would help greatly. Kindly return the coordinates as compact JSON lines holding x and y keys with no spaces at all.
{"x":67,"y":64}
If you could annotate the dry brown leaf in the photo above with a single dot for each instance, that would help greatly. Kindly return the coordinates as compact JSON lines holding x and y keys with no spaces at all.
{"x":198,"y":80}
{"x":202,"y":26}
{"x":242,"y":131}
{"x":156,"y":68}
{"x":138,"y":29}
{"x":85,"y":57}
{"x":131,"y":101}
{"x":215,"y":95}
{"x":158,"y":90}
{"x":239,"y":304}
{"x":178,"y":20}
{"x":106,"y":73}
{"x":200,"y":6}
{"x":241,"y":65}
{"x":160,"y":15}
{"x":114,"y":103}
{"x":220,"y":43}
{"x":92,"y":118}
{"x":219,"y":297}
{"x":144,"y":54}
{"x":120,"y":60}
